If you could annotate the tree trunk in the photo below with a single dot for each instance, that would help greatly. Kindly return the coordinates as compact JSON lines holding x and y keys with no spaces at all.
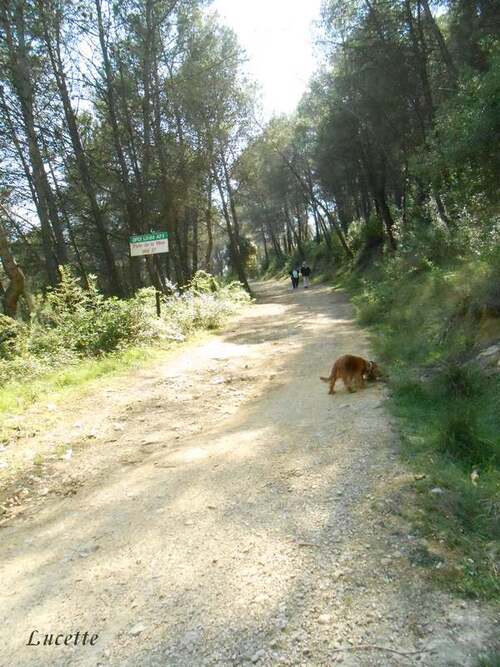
{"x":54,"y":51}
{"x":234,"y":248}
{"x":386,"y":216}
{"x":194,"y":254}
{"x":111,"y":105}
{"x":266,"y":252}
{"x":443,"y":49}
{"x":210,"y":235}
{"x":50,"y":258}
{"x":66,"y":219}
{"x":16,"y":287}
{"x":23,"y":85}
{"x":419,"y":49}
{"x":336,"y":228}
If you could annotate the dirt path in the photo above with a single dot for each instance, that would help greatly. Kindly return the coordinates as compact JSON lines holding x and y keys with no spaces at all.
{"x":222,"y":509}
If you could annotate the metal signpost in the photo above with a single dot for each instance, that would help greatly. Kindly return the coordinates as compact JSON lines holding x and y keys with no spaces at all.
{"x":153,"y":243}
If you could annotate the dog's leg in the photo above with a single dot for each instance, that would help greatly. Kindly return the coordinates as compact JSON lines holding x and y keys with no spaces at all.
{"x":332,"y":385}
{"x":333,"y":380}
{"x":348,"y":383}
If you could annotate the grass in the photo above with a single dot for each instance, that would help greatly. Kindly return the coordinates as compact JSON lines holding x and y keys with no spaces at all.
{"x":489,"y":660}
{"x":77,"y":336}
{"x":63,"y":384}
{"x":447,"y":411}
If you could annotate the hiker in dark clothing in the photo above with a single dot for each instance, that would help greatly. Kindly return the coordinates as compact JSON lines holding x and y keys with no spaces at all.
{"x":306,"y":272}
{"x":294,"y":274}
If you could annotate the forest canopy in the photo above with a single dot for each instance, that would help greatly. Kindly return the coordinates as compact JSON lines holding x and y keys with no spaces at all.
{"x":120,"y":118}
{"x":395,"y":143}
{"x":117,"y":118}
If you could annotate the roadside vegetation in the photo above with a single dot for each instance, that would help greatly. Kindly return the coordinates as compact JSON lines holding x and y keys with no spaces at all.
{"x":436,"y":332}
{"x":75,"y":334}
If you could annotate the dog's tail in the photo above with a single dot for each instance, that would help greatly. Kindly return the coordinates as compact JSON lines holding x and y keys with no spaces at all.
{"x":325,"y":379}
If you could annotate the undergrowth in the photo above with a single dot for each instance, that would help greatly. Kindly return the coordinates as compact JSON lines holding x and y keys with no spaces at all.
{"x":76,"y":334}
{"x":429,"y":324}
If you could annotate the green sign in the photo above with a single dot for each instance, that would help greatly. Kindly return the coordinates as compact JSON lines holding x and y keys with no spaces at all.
{"x":148,"y":244}
{"x":153,"y":236}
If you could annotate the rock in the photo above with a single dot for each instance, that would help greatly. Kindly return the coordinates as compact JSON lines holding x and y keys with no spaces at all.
{"x":324,"y":619}
{"x":437,"y":491}
{"x":258,"y":655}
{"x":137,"y":629}
{"x":87,"y":549}
{"x":490,"y":351}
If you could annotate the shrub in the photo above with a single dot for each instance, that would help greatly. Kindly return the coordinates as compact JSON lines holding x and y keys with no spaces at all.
{"x":458,"y":381}
{"x":87,"y":323}
{"x":458,"y":436}
{"x":12,"y":337}
{"x":203,"y":283}
{"x":75,"y":323}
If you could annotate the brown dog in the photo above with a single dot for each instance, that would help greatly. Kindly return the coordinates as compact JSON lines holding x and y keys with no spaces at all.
{"x":352,"y":370}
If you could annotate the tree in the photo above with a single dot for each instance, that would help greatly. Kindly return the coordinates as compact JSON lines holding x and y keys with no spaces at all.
{"x":16,"y":286}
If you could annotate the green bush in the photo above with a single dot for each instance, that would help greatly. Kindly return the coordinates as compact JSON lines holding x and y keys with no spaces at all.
{"x":75,"y":323}
{"x":84,"y":321}
{"x":203,"y":283}
{"x":12,"y":337}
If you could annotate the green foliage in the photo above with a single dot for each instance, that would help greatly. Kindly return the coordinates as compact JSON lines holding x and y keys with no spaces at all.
{"x":248,"y":256}
{"x":203,"y":282}
{"x":12,"y":337}
{"x":490,"y":660}
{"x":76,"y":323}
{"x":85,"y":322}
{"x":428,"y":323}
{"x":466,"y":126}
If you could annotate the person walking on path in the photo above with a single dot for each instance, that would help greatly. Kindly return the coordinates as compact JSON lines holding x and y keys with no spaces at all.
{"x":295,"y":274}
{"x":306,"y":272}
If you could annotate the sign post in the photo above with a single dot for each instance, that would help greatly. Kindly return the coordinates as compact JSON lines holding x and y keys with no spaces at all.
{"x":153,"y":243}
